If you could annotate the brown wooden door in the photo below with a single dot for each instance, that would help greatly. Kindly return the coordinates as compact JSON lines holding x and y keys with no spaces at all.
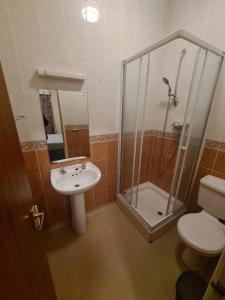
{"x":24,"y":270}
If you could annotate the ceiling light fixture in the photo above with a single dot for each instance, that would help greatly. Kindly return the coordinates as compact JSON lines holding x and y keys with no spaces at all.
{"x":90,"y":14}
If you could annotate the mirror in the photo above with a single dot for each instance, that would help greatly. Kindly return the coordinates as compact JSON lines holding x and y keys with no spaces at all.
{"x":65,"y":118}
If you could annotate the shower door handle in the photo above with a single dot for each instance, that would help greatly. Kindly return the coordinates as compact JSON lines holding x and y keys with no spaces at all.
{"x":185,"y":146}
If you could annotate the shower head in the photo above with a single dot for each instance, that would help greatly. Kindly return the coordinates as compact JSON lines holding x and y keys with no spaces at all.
{"x":166,"y":81}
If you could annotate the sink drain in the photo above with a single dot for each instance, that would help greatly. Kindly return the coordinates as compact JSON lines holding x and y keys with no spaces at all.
{"x":76,"y":185}
{"x":160,"y":213}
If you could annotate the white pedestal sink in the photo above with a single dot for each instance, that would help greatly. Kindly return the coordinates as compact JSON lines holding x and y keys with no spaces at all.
{"x":74,"y":181}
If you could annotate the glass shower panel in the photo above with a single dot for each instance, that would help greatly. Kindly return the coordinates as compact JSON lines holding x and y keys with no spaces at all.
{"x":131,"y":76}
{"x":205,"y":84}
{"x":196,"y":72}
{"x":143,"y":82}
{"x":161,"y":139}
{"x":154,"y":145}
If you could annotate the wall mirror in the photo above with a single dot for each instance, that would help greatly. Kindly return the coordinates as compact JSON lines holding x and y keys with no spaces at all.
{"x":65,"y":118}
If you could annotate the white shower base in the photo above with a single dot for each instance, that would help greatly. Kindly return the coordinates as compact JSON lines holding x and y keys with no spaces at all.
{"x":152,"y":201}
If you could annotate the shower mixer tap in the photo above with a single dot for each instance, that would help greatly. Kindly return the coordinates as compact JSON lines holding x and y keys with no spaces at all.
{"x":173,"y":98}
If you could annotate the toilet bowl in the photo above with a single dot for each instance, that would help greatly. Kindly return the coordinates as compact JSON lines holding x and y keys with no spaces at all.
{"x":202,"y":233}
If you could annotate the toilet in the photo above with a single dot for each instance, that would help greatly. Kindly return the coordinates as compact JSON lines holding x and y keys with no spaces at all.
{"x":203,"y":233}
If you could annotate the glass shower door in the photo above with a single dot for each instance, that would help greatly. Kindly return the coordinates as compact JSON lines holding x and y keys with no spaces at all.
{"x":201,"y":95}
{"x":135,"y":77}
{"x":131,"y":74}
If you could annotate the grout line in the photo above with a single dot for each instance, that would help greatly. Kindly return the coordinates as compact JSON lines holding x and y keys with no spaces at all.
{"x":202,"y":167}
{"x":217,"y":152}
{"x":219,"y":172}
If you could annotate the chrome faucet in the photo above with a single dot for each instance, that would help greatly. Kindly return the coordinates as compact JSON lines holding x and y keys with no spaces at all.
{"x":61,"y":169}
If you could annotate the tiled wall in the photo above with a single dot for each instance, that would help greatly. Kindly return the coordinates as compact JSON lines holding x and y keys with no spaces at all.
{"x":56,"y":206}
{"x":77,"y":140}
{"x":205,"y":19}
{"x":159,"y":153}
{"x":157,"y":160}
{"x":61,"y":40}
{"x":213,"y":163}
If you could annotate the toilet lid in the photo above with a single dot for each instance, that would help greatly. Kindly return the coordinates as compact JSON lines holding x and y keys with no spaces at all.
{"x":202,"y":233}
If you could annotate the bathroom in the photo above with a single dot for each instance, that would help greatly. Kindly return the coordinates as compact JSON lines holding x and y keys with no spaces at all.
{"x":148,"y":77}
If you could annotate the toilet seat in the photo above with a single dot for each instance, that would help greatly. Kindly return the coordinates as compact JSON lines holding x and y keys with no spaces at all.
{"x":202,"y":232}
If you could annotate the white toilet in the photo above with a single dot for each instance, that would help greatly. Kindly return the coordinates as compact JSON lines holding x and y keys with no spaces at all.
{"x":203,"y":233}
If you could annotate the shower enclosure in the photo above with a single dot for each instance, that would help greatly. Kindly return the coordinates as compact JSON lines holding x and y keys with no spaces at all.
{"x":167,"y":92}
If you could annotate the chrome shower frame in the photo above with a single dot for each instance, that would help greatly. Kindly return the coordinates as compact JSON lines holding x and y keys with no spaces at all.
{"x":151,"y":233}
{"x":183,"y":52}
{"x":180,"y":34}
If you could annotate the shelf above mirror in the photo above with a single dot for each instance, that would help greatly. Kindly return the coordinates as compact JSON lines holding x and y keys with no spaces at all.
{"x":46,"y":73}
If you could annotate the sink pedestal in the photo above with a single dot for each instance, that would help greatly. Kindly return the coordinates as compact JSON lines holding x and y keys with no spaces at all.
{"x":74,"y":182}
{"x":78,"y":213}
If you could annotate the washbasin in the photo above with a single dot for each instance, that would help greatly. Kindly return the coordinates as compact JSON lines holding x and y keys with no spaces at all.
{"x":74,"y":181}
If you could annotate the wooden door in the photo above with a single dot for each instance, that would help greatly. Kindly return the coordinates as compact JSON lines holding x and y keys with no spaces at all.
{"x":24,"y":270}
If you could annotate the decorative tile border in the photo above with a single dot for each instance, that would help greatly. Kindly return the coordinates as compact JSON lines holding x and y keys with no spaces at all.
{"x":103,"y":138}
{"x":167,"y":134}
{"x":27,"y":146}
{"x":211,"y":144}
{"x":149,"y":132}
{"x":153,"y":132}
{"x":222,"y":146}
{"x":41,"y":145}
{"x":71,"y":127}
{"x":215,"y":145}
{"x":160,"y":133}
{"x":35,"y":145}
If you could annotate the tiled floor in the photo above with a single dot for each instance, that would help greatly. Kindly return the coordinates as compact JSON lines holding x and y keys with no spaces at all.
{"x":112,"y":260}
